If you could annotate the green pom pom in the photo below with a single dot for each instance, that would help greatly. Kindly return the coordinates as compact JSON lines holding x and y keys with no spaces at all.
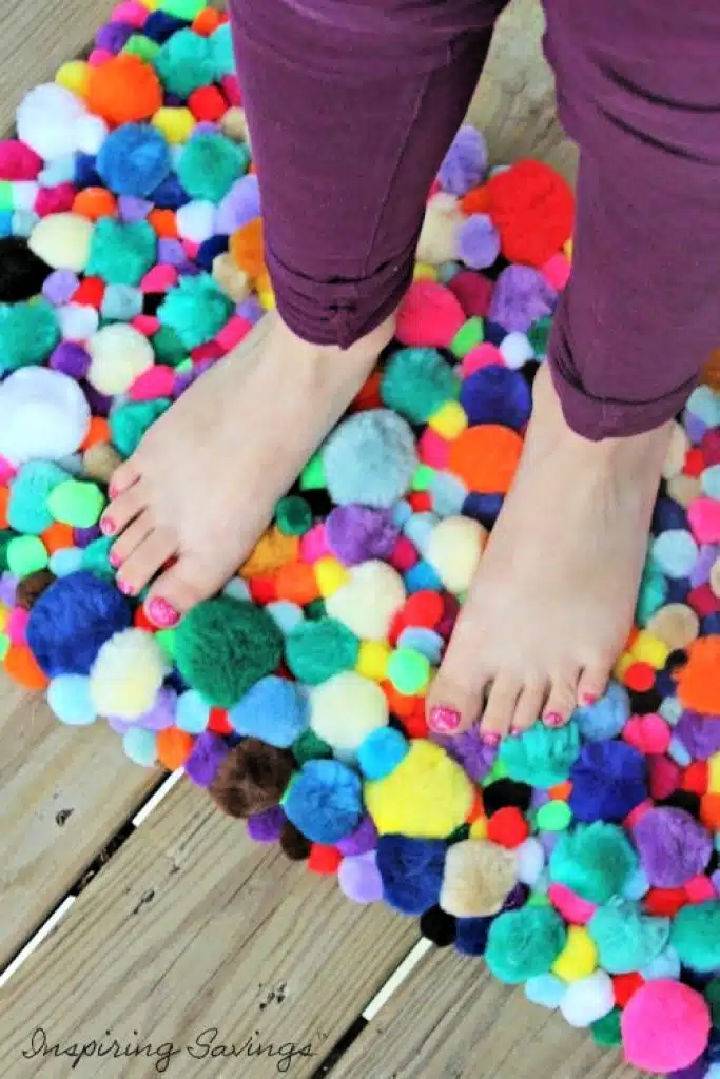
{"x":652,"y":595}
{"x":408,"y":670}
{"x":711,"y":992}
{"x":293,"y":516}
{"x":5,"y":537}
{"x":27,"y":510}
{"x":308,"y":747}
{"x":312,"y":477}
{"x":542,"y":756}
{"x":318,"y":650}
{"x":76,"y":503}
{"x":224,"y":646}
{"x":595,"y":860}
{"x":96,"y":557}
{"x":606,"y":1031}
{"x":26,"y":554}
{"x":316,"y":610}
{"x":524,"y":943}
{"x":223,"y":53}
{"x":144,"y":47}
{"x":186,"y":62}
{"x":554,"y":816}
{"x":469,"y":336}
{"x":168,"y":347}
{"x":122,"y":252}
{"x":417,"y":382}
{"x":626,"y":938}
{"x":539,"y":335}
{"x":209,"y":165}
{"x":195,"y":310}
{"x":29,"y":332}
{"x":182,"y":9}
{"x":129,"y":422}
{"x":695,"y":935}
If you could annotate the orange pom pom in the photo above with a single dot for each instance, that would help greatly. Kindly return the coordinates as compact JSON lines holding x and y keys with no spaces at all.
{"x":165,"y":223}
{"x":400,"y":703}
{"x":486,"y":457}
{"x":710,"y":811}
{"x":206,"y":22}
{"x":561,"y":791}
{"x":477,"y":201}
{"x":247,"y":247}
{"x":22,"y":667}
{"x":296,"y":583}
{"x":58,"y":537}
{"x":4,"y":499}
{"x":173,"y":747}
{"x":98,"y":432}
{"x":699,"y":680}
{"x":369,"y":396}
{"x":124,"y":88}
{"x":95,"y":202}
{"x":272,"y":550}
{"x":477,"y":809}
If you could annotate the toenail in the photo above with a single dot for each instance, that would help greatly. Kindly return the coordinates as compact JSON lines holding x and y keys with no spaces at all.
{"x":125,"y":588}
{"x":490,"y":738}
{"x":107,"y":526}
{"x":589,"y":698}
{"x":113,"y":491}
{"x":114,"y":559}
{"x":162,"y":613}
{"x":553,"y":719}
{"x":516,"y":731}
{"x":443,"y":720}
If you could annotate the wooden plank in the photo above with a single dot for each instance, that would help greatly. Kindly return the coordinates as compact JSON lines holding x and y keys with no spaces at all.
{"x":63,"y":794}
{"x":452,"y":1020}
{"x":192,"y":926}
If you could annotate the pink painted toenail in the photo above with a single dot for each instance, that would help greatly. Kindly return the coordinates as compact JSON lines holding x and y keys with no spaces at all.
{"x":125,"y":588}
{"x":114,"y":559}
{"x":590,"y":698}
{"x":162,"y":613}
{"x":553,"y":719}
{"x":443,"y":720}
{"x":107,"y":526}
{"x":490,"y":738}
{"x":113,"y":491}
{"x":516,"y":731}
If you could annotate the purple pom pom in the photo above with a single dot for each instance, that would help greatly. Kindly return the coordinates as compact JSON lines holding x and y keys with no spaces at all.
{"x":478,"y":242}
{"x":520,"y":297}
{"x":363,"y":839}
{"x":266,"y":826}
{"x":205,"y":758}
{"x":70,"y":359}
{"x":465,"y":162}
{"x":357,"y":534}
{"x":673,"y":846}
{"x":700,"y":734}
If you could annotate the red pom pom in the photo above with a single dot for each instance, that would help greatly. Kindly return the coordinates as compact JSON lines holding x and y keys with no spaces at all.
{"x":624,"y":985}
{"x":419,"y":501}
{"x":664,"y":902}
{"x":141,"y":620}
{"x":219,"y":722}
{"x":695,"y":777}
{"x":324,"y":859}
{"x":90,"y":292}
{"x":423,"y":608}
{"x":415,"y":723}
{"x":663,"y":776}
{"x":532,"y":208}
{"x":262,"y":589}
{"x":207,"y":103}
{"x":703,"y":600}
{"x":694,"y":462}
{"x":428,"y":315}
{"x":639,"y":677}
{"x":508,"y":827}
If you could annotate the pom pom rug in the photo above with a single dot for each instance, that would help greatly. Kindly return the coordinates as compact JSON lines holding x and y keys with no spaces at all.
{"x":582,"y":862}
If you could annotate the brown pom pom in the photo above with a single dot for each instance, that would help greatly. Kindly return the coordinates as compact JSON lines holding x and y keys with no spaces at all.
{"x":32,"y":587}
{"x":252,"y":777}
{"x":295,"y":845}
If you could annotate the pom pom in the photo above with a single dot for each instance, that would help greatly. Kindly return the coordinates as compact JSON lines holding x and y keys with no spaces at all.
{"x":209,"y":165}
{"x":626,"y":938}
{"x":608,"y":780}
{"x":665,"y":1026}
{"x":695,"y":935}
{"x":318,"y":650}
{"x":346,"y":708}
{"x":72,"y":619}
{"x":429,"y":315}
{"x":454,"y":551}
{"x":324,"y":801}
{"x":43,"y":414}
{"x":29,"y":333}
{"x":127,"y":673}
{"x":62,"y":241}
{"x":367,"y":603}
{"x":411,"y":872}
{"x":541,"y":756}
{"x":119,"y":354}
{"x":416,"y":382}
{"x":122,"y":252}
{"x":360,"y":880}
{"x":124,"y":89}
{"x":69,"y":697}
{"x":496,"y":395}
{"x":478,"y":242}
{"x":673,"y":846}
{"x":381,"y":751}
{"x":485,"y":458}
{"x":520,"y":297}
{"x":251,"y":778}
{"x":222,"y":647}
{"x":196,"y":310}
{"x":588,"y":1000}
{"x":595,"y":861}
{"x":606,"y":718}
{"x":47,"y":118}
{"x":358,"y":534}
{"x":272,"y":710}
{"x":26,"y":510}
{"x":22,"y":272}
{"x":134,"y":159}
{"x":370,"y":458}
{"x":185,"y":62}
{"x":579,"y":957}
{"x":465,"y":162}
{"x":524,"y":943}
{"x":477,"y":878}
{"x":532,"y":207}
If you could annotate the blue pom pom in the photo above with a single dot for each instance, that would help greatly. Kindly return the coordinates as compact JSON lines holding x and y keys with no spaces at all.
{"x":607,"y":717}
{"x":272,"y":710}
{"x":495,"y":334}
{"x":546,"y":990}
{"x":86,"y":174}
{"x":381,"y":751}
{"x":324,"y":800}
{"x":411,"y":871}
{"x":134,"y":160}
{"x":677,"y":589}
{"x":471,"y":935}
{"x":139,"y":745}
{"x":422,"y":576}
{"x":667,"y":514}
{"x":483,"y":507}
{"x":209,"y":250}
{"x":169,"y":195}
{"x":69,"y":697}
{"x":192,"y":713}
{"x":160,"y":26}
{"x":608,"y":780}
{"x":496,"y":394}
{"x":709,"y":624}
{"x":72,"y":619}
{"x":370,"y":458}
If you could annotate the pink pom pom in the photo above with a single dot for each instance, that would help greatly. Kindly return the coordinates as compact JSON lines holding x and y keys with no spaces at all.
{"x":98,"y":57}
{"x":665,"y":1026}
{"x":433,"y":449}
{"x":664,"y":777}
{"x":231,"y":89}
{"x":403,"y":555}
{"x":131,"y":12}
{"x":485,"y":355}
{"x":55,"y":200}
{"x":233,"y":332}
{"x":429,"y":315}
{"x":157,"y":381}
{"x":556,"y":271}
{"x":699,"y":889}
{"x":16,"y":624}
{"x":147,"y":324}
{"x":7,"y":471}
{"x":704,"y":517}
{"x":573,"y":908}
{"x":18,"y":161}
{"x":649,"y":733}
{"x":313,"y":545}
{"x":209,"y":351}
{"x":160,"y":279}
{"x":473,"y":290}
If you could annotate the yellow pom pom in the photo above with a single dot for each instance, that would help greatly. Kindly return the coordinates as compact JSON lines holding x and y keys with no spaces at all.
{"x":127,"y":673}
{"x":372,"y":660}
{"x":568,"y":247}
{"x":713,"y":775}
{"x":4,"y":614}
{"x":176,"y":124}
{"x":478,"y":828}
{"x":423,"y":271}
{"x":267,"y":299}
{"x":579,"y":957}
{"x":450,"y":420}
{"x":626,"y":660}
{"x":426,"y":796}
{"x":454,"y":551}
{"x":368,"y":600}
{"x":346,"y":708}
{"x":330,"y":575}
{"x":648,"y":648}
{"x":74,"y":75}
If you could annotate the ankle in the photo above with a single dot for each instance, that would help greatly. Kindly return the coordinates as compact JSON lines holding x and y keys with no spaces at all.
{"x":359,"y":357}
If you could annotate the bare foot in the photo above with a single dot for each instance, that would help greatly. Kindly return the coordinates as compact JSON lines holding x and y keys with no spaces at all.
{"x":553,"y":599}
{"x":203,"y":483}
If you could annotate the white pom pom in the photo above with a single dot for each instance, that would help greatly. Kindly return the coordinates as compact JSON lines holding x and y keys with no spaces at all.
{"x":196,"y":221}
{"x":346,"y":708}
{"x":530,"y":861}
{"x":47,"y":119}
{"x":588,"y":999}
{"x":90,"y":133}
{"x":78,"y":321}
{"x":454,"y":551}
{"x":25,"y":193}
{"x":63,"y":241}
{"x":127,"y":673}
{"x":516,"y":349}
{"x":441,"y":226}
{"x":119,"y":354}
{"x":367,"y":603}
{"x":43,"y":414}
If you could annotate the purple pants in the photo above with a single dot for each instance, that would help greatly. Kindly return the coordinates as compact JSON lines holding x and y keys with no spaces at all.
{"x":352,"y":104}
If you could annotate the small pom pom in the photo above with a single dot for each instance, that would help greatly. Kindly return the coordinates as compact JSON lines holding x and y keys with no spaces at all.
{"x":626,"y":938}
{"x":63,"y":241}
{"x":272,"y":710}
{"x":324,"y":800}
{"x":127,"y":673}
{"x":477,"y":878}
{"x":673,"y":846}
{"x":368,"y":601}
{"x":251,"y":778}
{"x":346,"y":708}
{"x":119,"y":353}
{"x":524,"y":943}
{"x":416,"y":382}
{"x":370,"y":458}
{"x":429,"y":315}
{"x":411,"y":872}
{"x":123,"y":89}
{"x":196,"y":310}
{"x":595,"y":861}
{"x":454,"y":549}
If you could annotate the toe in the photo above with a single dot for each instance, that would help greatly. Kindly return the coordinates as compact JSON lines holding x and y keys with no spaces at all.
{"x":455,"y":698}
{"x":529,"y":706}
{"x":131,"y":538}
{"x":181,"y":587}
{"x":144,"y":562}
{"x":122,"y":510}
{"x":561,"y":700}
{"x":593,"y":683}
{"x":124,"y":476}
{"x":500,"y":708}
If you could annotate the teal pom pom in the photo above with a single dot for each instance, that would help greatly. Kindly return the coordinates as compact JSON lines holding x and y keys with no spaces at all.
{"x":653,"y":592}
{"x":121,"y":303}
{"x":139,"y":745}
{"x":381,"y":752}
{"x":417,"y":382}
{"x":187,"y":10}
{"x":192,"y":713}
{"x":129,"y":422}
{"x":29,"y":332}
{"x":546,"y":990}
{"x":185,"y":62}
{"x":27,"y":511}
{"x":69,"y":697}
{"x":595,"y":860}
{"x":626,"y":938}
{"x":196,"y":310}
{"x":695,"y":935}
{"x":168,"y":347}
{"x":316,"y":651}
{"x":209,"y":165}
{"x":221,"y":48}
{"x":96,"y":557}
{"x":524,"y":943}
{"x":122,"y":252}
{"x":542,"y":756}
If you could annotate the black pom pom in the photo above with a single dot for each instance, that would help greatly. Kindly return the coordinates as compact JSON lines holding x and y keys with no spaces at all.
{"x":438,"y":926}
{"x":22,"y":273}
{"x":680,"y":799}
{"x":506,"y":792}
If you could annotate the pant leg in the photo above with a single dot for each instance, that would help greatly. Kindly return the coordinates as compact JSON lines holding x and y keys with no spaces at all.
{"x":351,"y":105}
{"x":639,"y":89}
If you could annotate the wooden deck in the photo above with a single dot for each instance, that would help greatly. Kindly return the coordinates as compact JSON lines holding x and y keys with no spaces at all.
{"x":160,"y":922}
